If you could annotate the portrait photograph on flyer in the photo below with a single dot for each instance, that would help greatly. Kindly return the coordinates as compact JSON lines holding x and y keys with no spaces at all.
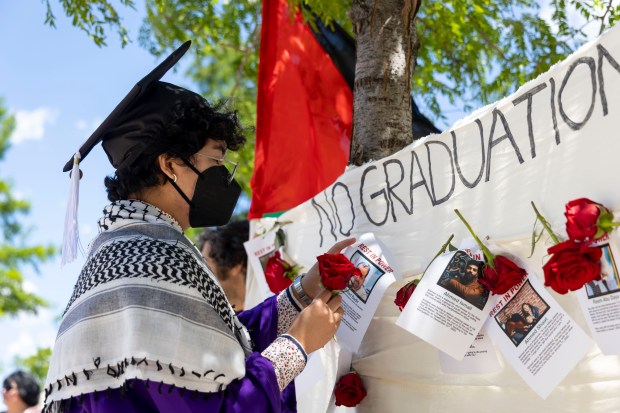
{"x":600,"y":300}
{"x":361,"y":299}
{"x":461,"y":277}
{"x":521,"y":313}
{"x":535,"y":335}
{"x":610,"y":280}
{"x":363,"y":285}
{"x":449,"y":305}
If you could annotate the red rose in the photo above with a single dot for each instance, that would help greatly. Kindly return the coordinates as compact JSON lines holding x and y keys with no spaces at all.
{"x":571,"y":266}
{"x":403,"y":295}
{"x":587,"y":220}
{"x":503,"y":277}
{"x":336,"y":271}
{"x":349,"y":390}
{"x":276,"y":275}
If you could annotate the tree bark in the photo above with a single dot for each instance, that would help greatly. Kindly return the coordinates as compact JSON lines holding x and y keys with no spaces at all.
{"x":387,"y":46}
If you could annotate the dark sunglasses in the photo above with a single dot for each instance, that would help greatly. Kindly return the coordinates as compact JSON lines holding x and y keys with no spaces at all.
{"x":7,"y":386}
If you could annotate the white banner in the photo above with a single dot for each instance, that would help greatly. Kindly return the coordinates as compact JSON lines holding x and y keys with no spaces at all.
{"x":554,"y":140}
{"x":557,"y":138}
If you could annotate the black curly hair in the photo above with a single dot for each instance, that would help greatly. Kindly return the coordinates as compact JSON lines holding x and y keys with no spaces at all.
{"x":26,"y":385}
{"x":198,"y":122}
{"x":226,"y":244}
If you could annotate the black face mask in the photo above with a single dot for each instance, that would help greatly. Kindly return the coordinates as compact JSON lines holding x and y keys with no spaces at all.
{"x":215,"y":197}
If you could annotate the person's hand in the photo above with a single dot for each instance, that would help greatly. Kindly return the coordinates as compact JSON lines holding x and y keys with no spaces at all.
{"x":311,"y":283}
{"x":318,"y":322}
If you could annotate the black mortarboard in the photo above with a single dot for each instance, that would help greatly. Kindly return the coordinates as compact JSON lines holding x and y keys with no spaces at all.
{"x":125,"y":132}
{"x":135,"y":122}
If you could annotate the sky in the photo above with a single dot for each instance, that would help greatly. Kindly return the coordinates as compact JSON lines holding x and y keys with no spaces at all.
{"x":60,"y":86}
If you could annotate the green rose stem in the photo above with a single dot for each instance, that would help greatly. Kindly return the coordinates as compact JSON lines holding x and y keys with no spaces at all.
{"x":605,"y":223}
{"x":441,"y":251}
{"x":545,"y":224}
{"x":487,"y":254}
{"x":292,"y":272}
{"x":444,"y":247}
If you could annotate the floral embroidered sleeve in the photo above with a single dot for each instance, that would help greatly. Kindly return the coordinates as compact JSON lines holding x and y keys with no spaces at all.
{"x":288,"y":358}
{"x":266,"y":322}
{"x":288,"y":309}
{"x":285,"y":353}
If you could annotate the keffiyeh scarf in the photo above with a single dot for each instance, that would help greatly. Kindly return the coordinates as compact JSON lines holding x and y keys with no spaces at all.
{"x":145,"y":306}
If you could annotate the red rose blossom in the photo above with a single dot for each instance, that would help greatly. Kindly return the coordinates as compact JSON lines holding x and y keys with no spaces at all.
{"x":276,"y":271}
{"x":502,"y":274}
{"x":505,"y":275}
{"x":587,"y":220}
{"x":336,"y":271}
{"x":349,"y":390}
{"x":571,"y":266}
{"x":403,"y":295}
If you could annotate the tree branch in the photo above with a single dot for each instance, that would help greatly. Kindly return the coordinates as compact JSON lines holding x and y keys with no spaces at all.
{"x":609,"y":6}
{"x":486,"y":38}
{"x":248,"y":51}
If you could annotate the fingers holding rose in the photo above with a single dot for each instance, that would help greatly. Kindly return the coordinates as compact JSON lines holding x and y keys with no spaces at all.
{"x":333,"y":302}
{"x":318,"y":322}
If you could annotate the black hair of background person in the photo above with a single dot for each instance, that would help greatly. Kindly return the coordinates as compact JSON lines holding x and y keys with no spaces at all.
{"x":27,"y":386}
{"x":226,"y":245}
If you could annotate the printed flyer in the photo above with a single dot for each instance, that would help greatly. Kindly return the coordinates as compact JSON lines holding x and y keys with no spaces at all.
{"x":481,"y":358}
{"x":361,"y":299}
{"x":449,"y":305}
{"x":535,"y":334}
{"x":600,"y":300}
{"x":259,"y":250}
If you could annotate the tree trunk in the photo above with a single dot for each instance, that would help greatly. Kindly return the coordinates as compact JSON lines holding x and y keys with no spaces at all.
{"x":387,"y":45}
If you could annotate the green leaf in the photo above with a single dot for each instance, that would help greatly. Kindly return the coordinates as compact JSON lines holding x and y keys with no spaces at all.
{"x":15,"y":254}
{"x":37,"y":364}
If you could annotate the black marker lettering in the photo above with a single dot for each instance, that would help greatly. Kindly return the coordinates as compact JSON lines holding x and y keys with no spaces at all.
{"x":456,"y":158}
{"x":346,"y":189}
{"x":318,"y":208}
{"x":390,"y":188}
{"x":530,"y":128}
{"x":571,"y":123}
{"x":492,"y":143}
{"x":602,"y":52}
{"x":430,"y":171}
{"x":373,"y":196}
{"x":553,"y":115}
{"x":412,"y":185}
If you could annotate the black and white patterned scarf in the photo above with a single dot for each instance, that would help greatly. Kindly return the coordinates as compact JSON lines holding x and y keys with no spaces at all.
{"x":145,"y":306}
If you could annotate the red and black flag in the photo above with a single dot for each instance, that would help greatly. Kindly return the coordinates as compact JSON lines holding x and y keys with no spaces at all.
{"x":304,"y":111}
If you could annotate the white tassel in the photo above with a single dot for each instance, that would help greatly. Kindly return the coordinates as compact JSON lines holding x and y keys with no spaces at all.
{"x":71,"y":237}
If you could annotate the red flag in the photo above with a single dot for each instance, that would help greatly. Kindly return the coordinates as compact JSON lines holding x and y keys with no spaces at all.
{"x":304,"y":115}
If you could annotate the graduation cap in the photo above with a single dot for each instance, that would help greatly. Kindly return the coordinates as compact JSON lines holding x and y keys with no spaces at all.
{"x":116,"y":142}
{"x":127,"y":131}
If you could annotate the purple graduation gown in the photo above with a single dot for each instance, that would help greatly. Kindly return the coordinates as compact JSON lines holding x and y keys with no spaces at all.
{"x":256,"y":392}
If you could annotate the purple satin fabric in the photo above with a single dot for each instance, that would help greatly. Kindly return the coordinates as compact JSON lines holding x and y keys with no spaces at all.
{"x":256,"y":392}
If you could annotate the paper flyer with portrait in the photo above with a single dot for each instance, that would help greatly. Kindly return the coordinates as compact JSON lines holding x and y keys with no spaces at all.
{"x":600,"y":300}
{"x":449,"y":305}
{"x":361,"y":300}
{"x":481,"y":357}
{"x":535,"y":334}
{"x":259,"y":250}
